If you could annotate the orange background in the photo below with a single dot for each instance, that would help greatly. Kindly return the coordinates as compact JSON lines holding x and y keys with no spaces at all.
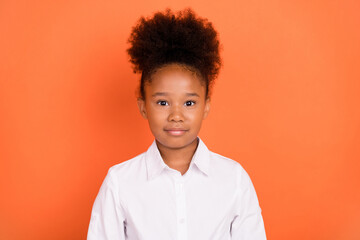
{"x":286,"y":106}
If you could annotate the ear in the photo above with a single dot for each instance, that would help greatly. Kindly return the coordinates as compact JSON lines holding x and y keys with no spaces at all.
{"x":207,"y":108}
{"x":142,"y":108}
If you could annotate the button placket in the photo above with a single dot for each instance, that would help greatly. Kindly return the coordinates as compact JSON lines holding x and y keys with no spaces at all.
{"x":181,"y":209}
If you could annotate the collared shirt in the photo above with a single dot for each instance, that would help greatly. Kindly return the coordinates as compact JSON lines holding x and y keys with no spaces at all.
{"x":144,"y":199}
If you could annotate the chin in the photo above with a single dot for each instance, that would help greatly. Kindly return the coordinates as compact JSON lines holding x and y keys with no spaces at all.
{"x":177,"y":143}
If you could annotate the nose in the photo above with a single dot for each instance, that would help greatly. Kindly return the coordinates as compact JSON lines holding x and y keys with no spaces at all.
{"x":176,"y":114}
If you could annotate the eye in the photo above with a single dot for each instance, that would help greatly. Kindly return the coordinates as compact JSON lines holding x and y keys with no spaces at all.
{"x":162,"y":103}
{"x":189,"y":103}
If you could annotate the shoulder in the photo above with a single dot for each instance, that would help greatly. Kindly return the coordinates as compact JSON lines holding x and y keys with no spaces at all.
{"x":127,"y":169}
{"x":230,"y":168}
{"x":225,"y":163}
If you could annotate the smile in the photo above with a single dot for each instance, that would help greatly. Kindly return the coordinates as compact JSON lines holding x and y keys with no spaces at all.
{"x":176,"y":132}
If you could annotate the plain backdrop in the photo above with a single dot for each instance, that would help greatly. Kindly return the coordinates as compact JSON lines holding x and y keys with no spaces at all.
{"x":285,"y":106}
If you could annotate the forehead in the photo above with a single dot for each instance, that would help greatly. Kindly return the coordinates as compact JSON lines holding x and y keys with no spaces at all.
{"x":175,"y":78}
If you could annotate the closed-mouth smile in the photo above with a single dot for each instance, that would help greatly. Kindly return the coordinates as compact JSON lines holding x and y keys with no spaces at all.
{"x":176,"y":131}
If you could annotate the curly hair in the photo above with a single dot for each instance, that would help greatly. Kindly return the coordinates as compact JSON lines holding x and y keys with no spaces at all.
{"x":181,"y":38}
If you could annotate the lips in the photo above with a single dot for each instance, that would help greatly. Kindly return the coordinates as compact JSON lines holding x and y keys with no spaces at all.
{"x":176,"y":131}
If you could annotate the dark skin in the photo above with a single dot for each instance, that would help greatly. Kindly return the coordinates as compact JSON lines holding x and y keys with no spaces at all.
{"x":175,"y":105}
{"x":178,"y":159}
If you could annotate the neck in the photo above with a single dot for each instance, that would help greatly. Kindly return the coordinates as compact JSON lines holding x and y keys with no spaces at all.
{"x":180,"y":158}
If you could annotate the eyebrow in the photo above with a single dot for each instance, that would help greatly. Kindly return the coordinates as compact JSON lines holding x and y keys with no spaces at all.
{"x":165,"y":94}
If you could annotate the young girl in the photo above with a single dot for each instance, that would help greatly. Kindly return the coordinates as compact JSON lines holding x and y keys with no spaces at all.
{"x":177,"y":189}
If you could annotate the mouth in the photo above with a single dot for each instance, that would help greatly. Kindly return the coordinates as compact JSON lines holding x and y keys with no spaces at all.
{"x":175,"y":131}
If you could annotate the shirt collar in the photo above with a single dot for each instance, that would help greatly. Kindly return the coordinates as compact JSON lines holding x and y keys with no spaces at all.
{"x":155,"y":164}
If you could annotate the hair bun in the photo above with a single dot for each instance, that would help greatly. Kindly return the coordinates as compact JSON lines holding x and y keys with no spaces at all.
{"x":175,"y":38}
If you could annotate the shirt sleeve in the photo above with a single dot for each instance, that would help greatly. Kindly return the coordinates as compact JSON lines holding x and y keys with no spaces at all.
{"x":107,"y":216}
{"x":248,"y":222}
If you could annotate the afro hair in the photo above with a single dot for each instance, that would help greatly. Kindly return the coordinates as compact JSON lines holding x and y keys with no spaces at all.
{"x":169,"y":38}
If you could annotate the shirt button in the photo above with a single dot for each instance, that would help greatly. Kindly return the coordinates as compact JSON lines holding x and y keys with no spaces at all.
{"x":182,"y":220}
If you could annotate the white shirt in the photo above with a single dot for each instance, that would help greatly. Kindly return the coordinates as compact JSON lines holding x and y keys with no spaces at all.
{"x":144,"y":199}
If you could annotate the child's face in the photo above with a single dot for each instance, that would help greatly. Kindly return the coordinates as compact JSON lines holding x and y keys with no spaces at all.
{"x":175,"y":105}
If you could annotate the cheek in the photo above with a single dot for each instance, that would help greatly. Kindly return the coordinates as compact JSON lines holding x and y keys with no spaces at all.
{"x":197,"y":117}
{"x":156,"y":117}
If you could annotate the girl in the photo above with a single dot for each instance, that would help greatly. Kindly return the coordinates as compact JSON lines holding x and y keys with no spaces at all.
{"x":177,"y":189}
